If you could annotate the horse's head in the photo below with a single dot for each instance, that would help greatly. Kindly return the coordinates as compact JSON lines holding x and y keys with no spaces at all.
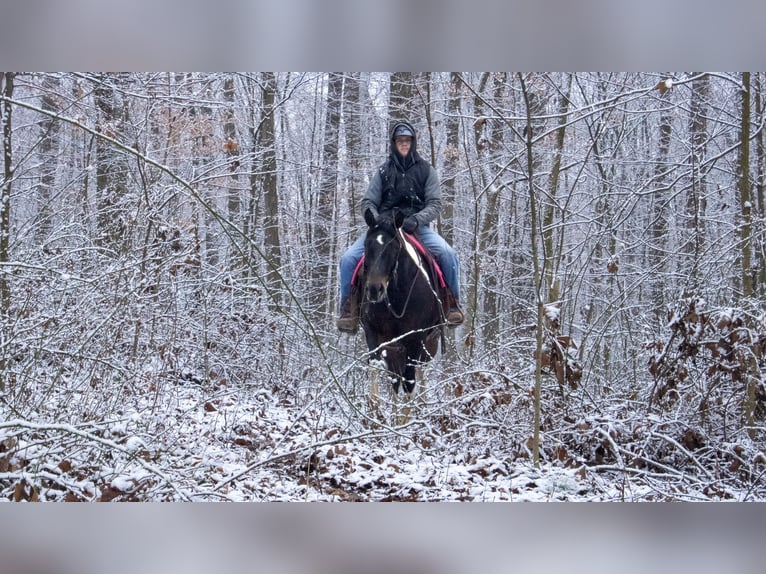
{"x":381,"y":251}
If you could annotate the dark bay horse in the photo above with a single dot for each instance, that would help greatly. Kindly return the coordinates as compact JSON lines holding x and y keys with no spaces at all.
{"x":401,"y":312}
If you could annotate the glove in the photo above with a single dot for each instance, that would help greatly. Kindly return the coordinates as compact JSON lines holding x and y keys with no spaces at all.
{"x":410,"y":224}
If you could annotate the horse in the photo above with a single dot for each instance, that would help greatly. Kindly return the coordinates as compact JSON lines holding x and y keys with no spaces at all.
{"x":401,"y":312}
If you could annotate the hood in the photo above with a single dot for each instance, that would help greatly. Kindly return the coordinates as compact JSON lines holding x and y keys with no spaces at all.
{"x":413,"y":148}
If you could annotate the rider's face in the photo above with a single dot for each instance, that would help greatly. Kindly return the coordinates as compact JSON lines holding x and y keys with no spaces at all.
{"x":403,"y":144}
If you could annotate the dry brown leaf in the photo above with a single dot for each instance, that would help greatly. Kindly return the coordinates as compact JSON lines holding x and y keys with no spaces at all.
{"x":664,"y":86}
{"x":23,"y":491}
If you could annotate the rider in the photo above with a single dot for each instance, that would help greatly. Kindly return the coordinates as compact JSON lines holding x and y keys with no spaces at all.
{"x":408,"y":182}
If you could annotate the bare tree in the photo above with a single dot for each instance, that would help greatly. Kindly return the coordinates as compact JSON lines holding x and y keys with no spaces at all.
{"x":659,"y":243}
{"x":327,"y":200}
{"x":111,"y":164}
{"x":745,"y":199}
{"x":355,"y":111}
{"x":490,"y":145}
{"x":231,"y":148}
{"x":402,"y":101}
{"x":450,"y":186}
{"x":250,"y":225}
{"x":530,"y":105}
{"x":452,"y":154}
{"x":696,"y":201}
{"x":550,"y":245}
{"x":271,"y":217}
{"x":6,"y":88}
{"x":49,"y":143}
{"x":760,"y":185}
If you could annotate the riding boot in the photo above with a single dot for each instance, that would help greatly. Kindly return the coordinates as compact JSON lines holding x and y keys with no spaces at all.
{"x":452,"y":311}
{"x":348,"y":321}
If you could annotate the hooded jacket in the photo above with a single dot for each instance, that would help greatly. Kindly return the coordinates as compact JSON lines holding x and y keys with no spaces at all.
{"x":408,"y":183}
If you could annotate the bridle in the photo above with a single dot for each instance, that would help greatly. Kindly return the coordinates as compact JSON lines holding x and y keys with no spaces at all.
{"x":401,"y":241}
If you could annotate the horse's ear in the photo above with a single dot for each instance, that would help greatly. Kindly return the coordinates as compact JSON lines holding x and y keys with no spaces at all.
{"x":398,"y":218}
{"x":369,"y":217}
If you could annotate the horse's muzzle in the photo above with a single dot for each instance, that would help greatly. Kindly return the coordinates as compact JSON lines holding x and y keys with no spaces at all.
{"x":376,"y":292}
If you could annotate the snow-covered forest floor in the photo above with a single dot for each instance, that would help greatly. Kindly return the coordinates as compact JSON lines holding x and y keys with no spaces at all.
{"x":170,"y":437}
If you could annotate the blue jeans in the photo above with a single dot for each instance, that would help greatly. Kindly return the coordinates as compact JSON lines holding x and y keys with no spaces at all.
{"x":435,"y":243}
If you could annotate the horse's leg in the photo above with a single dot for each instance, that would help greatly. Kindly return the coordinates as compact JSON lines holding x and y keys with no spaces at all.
{"x":404,"y":417}
{"x":431,"y":345}
{"x":395,"y":355}
{"x":376,"y":363}
{"x":373,"y":399}
{"x":408,"y":381}
{"x":420,"y":382}
{"x":428,"y":350}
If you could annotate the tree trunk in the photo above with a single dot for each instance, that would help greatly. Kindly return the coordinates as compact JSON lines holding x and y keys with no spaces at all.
{"x":271,"y":233}
{"x":354,"y":112}
{"x":401,"y":98}
{"x":326,"y":204}
{"x":450,"y":169}
{"x":658,"y":227}
{"x":552,"y":257}
{"x":745,"y":201}
{"x":231,"y":150}
{"x":752,"y":373}
{"x":49,"y":144}
{"x":251,"y":225}
{"x":489,"y":144}
{"x":694,"y":224}
{"x":451,"y":158}
{"x":6,"y":88}
{"x":530,"y":105}
{"x":760,"y":160}
{"x":111,"y":165}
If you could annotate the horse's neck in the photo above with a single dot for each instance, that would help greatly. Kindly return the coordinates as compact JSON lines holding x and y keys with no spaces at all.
{"x":410,"y":258}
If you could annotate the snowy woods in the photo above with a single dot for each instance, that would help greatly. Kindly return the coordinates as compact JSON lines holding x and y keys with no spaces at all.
{"x":168,"y":287}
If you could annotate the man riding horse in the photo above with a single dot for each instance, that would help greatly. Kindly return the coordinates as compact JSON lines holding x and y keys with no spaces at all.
{"x":408,"y":183}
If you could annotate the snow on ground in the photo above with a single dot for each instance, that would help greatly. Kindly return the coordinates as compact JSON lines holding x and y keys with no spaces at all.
{"x":278,"y":452}
{"x":255,"y":444}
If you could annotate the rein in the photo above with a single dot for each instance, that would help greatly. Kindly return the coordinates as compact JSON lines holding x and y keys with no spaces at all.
{"x":412,"y":285}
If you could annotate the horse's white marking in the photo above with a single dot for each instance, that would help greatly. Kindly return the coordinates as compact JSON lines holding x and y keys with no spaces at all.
{"x":413,"y":253}
{"x":379,"y":239}
{"x":378,"y":364}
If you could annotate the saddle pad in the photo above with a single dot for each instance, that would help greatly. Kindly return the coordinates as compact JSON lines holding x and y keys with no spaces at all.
{"x":429,"y":257}
{"x":355,"y":275}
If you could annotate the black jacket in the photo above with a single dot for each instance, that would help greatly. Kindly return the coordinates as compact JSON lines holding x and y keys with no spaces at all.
{"x":408,"y":183}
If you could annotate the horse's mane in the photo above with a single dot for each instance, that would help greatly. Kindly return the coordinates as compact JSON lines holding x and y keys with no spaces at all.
{"x":385,"y":222}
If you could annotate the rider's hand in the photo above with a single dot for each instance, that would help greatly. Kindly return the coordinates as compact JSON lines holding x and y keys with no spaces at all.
{"x":410,"y":224}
